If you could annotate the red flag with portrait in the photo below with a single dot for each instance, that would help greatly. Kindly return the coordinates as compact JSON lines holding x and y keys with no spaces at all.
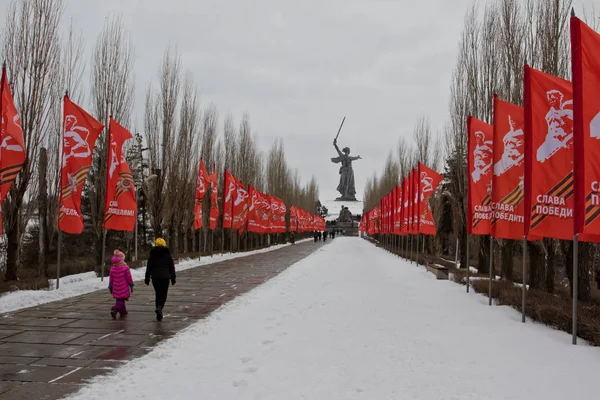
{"x":429,"y":182}
{"x":202,"y":183}
{"x":120,"y":206}
{"x":585,"y":48}
{"x":12,"y":152}
{"x":548,"y":155}
{"x":81,"y":131}
{"x":479,"y":162}
{"x":214,"y":206}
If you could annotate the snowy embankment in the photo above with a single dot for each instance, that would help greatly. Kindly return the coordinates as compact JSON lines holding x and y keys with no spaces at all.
{"x":78,"y":284}
{"x":354,"y":322}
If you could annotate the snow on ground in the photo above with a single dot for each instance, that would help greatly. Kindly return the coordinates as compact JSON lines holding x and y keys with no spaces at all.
{"x":78,"y":284}
{"x":354,"y":322}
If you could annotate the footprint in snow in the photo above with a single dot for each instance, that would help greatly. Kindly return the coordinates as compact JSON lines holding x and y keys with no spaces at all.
{"x":251,"y":370}
{"x":267,"y":342}
{"x":240,"y":383}
{"x":246,"y":360}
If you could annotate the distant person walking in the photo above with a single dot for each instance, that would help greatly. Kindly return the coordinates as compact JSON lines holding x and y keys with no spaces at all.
{"x":120,"y":284}
{"x":161,"y":269}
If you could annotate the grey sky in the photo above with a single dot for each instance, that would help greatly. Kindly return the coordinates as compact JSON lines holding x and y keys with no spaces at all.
{"x":297,"y":67}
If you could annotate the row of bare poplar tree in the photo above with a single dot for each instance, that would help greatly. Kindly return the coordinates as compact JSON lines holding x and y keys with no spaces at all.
{"x":497,"y":40}
{"x":42,"y":64}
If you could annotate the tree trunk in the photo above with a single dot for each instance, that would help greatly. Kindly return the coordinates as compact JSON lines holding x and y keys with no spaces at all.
{"x":12,"y":253}
{"x":185,"y":241}
{"x":537,"y":263}
{"x":43,"y":215}
{"x":484,"y":254}
{"x":551,"y":263}
{"x":585,"y":260}
{"x":464,"y":263}
{"x":507,"y":254}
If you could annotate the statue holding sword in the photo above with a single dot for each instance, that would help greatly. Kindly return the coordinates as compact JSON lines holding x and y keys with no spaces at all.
{"x":346,"y":186}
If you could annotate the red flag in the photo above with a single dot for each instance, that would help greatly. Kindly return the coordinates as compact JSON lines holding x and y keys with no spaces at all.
{"x":548,"y":155}
{"x":405,"y":197}
{"x":120,"y":206}
{"x":201,"y":189}
{"x":282,"y":211}
{"x":293,"y":219}
{"x":398,"y":210}
{"x":416,"y":202}
{"x":214,"y":206}
{"x":480,"y":159}
{"x":585,"y":47}
{"x":240,"y":206}
{"x":12,"y":152}
{"x":228,"y":193}
{"x":409,"y":201}
{"x":79,"y":138}
{"x":429,"y":181}
{"x":255,"y":210}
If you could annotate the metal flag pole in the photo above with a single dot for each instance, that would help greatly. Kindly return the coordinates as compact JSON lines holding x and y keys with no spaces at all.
{"x":60,"y":161}
{"x":58,"y":258}
{"x":456,"y":254}
{"x":417,"y":253}
{"x":199,"y":245}
{"x":103,"y":254}
{"x":524,"y":280}
{"x":135,"y":242}
{"x":575,"y":285}
{"x":491,"y":269}
{"x":467,"y":261}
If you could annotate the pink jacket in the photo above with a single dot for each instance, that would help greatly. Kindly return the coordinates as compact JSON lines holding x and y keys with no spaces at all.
{"x":120,"y":281}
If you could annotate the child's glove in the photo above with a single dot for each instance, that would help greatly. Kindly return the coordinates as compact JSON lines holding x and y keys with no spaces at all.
{"x":110,"y":289}
{"x":131,"y":287}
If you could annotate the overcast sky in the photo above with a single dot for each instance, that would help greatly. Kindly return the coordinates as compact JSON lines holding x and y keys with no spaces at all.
{"x":298,"y":67}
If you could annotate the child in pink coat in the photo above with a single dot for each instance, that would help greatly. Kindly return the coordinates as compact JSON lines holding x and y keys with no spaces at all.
{"x":120,"y":283}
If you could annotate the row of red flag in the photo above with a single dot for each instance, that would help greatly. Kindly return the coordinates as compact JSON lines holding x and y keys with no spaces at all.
{"x":248,"y":209}
{"x":243,"y":208}
{"x":80,"y":133}
{"x":406,"y":209}
{"x":534,"y":171}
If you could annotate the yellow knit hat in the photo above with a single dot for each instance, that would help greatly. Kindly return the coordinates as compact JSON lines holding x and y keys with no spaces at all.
{"x":161,"y":242}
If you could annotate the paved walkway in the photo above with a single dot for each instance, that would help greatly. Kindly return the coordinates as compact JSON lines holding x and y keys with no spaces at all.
{"x":46,"y":352}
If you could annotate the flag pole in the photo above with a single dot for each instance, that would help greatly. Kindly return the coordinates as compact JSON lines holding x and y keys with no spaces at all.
{"x":524,"y":280}
{"x":456,"y":254}
{"x":199,"y":246}
{"x":467,"y":260}
{"x":60,"y":161}
{"x":417,"y":252}
{"x":103,"y":254}
{"x":575,"y":285}
{"x":58,"y":257}
{"x":135,"y":234}
{"x":491,"y":269}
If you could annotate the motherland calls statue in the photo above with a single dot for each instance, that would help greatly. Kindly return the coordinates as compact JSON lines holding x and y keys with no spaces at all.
{"x":346,"y":185}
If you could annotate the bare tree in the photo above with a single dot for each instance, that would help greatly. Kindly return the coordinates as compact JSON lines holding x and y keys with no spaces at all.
{"x":183,"y":167}
{"x":160,"y":124}
{"x":113,"y":95}
{"x":72,"y":68}
{"x":31,"y":47}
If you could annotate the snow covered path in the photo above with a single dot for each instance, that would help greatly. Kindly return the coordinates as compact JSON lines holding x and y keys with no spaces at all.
{"x":354,"y":322}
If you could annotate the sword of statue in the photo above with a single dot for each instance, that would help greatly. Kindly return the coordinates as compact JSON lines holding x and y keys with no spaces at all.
{"x":339,"y":130}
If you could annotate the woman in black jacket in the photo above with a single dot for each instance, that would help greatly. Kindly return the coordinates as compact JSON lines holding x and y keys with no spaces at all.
{"x":160,"y":268}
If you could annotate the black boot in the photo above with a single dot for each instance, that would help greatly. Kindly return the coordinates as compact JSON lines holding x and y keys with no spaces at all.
{"x":159,"y":314}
